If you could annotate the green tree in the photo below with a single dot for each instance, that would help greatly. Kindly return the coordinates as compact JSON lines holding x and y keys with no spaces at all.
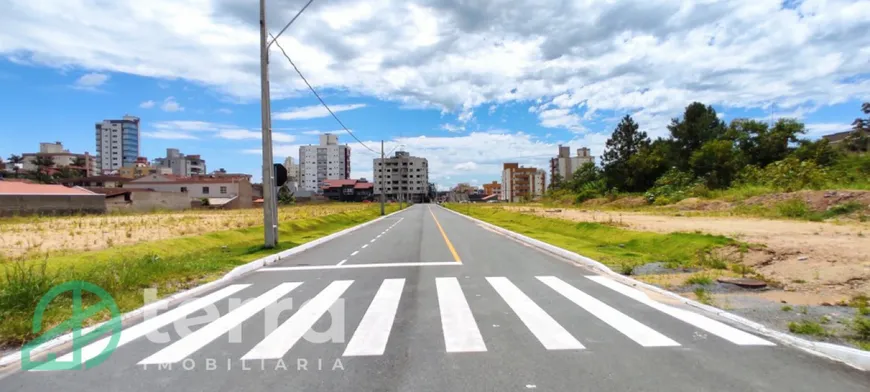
{"x":650,"y":163}
{"x":762,"y":145}
{"x":820,"y":151}
{"x":587,"y":182}
{"x":699,"y":125}
{"x":859,"y":139}
{"x":627,"y":140}
{"x":285,"y":196}
{"x":717,"y":162}
{"x":15,"y":160}
{"x":556,"y":182}
{"x":66,"y":172}
{"x":43,"y":163}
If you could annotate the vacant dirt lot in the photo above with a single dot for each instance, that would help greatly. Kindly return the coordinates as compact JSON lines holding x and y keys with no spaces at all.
{"x":816,"y":262}
{"x":31,"y":237}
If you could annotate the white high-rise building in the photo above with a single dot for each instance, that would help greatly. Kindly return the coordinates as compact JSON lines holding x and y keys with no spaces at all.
{"x":181,"y":165}
{"x":292,"y":169}
{"x":327,"y":161}
{"x":117,"y":144}
{"x":565,"y":165}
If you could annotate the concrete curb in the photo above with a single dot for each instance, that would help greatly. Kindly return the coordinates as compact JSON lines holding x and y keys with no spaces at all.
{"x":173,"y":299}
{"x":858,"y":359}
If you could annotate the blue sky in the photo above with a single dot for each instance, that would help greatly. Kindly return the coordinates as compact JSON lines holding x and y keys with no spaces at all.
{"x":466,"y":86}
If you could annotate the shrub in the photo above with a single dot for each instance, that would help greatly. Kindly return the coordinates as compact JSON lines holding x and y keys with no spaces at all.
{"x":861,"y":327}
{"x":703,"y":280}
{"x":794,"y":208}
{"x":807,"y":328}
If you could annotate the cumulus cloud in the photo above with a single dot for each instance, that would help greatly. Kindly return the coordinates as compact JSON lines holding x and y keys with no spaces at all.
{"x":241,"y":134}
{"x":453,"y":128}
{"x":225,"y":111}
{"x":187,"y":129}
{"x":649,"y":57}
{"x":90,"y":81}
{"x":315,"y":111}
{"x":147,"y":104}
{"x":171,"y":105}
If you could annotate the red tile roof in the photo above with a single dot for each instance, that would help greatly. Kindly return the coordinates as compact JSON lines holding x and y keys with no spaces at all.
{"x":21,"y":188}
{"x":363,"y":185}
{"x":338,"y":183}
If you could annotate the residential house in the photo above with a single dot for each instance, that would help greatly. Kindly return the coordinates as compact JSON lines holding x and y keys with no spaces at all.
{"x":98,"y":181}
{"x":232,"y":191}
{"x":24,"y":198}
{"x":348,"y":190}
{"x":60,"y":158}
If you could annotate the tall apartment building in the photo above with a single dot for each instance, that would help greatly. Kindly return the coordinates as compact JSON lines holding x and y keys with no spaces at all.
{"x":492,"y":189}
{"x":402,"y":175}
{"x":520,"y":183}
{"x":117,"y":144}
{"x":565,"y":165}
{"x":327,"y":161}
{"x":181,"y":165}
{"x":292,"y":169}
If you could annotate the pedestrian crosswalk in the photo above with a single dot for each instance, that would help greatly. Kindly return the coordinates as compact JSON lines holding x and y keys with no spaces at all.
{"x":459,"y":325}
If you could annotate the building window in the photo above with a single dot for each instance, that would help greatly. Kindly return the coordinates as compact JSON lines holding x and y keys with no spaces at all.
{"x":223,"y":190}
{"x":205,"y":190}
{"x":184,"y":189}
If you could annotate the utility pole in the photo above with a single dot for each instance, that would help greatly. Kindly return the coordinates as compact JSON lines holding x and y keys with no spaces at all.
{"x":269,"y":203}
{"x":383,"y":173}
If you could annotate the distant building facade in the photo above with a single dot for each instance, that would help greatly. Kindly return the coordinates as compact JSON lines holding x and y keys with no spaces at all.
{"x":61,"y":158}
{"x":402,"y":176}
{"x":221,"y":189}
{"x":117,"y":144}
{"x":181,"y":165}
{"x":565,"y":165}
{"x":493,"y":188}
{"x":348,"y":190}
{"x":522,"y":183}
{"x":326,"y":161}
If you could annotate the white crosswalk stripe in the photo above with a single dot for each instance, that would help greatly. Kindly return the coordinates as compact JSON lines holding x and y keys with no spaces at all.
{"x":203,"y":336}
{"x":152,"y":324}
{"x":287,"y":334}
{"x":721,"y":330}
{"x":373,"y":331}
{"x":544,"y":327}
{"x":634,"y":330}
{"x":460,"y":330}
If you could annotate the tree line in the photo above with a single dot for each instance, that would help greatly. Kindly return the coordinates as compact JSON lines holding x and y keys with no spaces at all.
{"x":703,"y":153}
{"x":46,"y":171}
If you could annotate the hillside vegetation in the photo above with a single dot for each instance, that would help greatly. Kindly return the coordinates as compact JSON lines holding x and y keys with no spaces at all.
{"x":705,"y":158}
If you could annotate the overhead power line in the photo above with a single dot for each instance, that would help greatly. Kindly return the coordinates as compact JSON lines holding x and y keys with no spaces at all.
{"x":318,"y":96}
{"x":289,"y":23}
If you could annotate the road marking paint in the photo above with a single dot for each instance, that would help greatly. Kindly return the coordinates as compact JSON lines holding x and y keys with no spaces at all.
{"x":443,"y":234}
{"x":192,"y":343}
{"x":545,"y":328}
{"x":460,"y":330}
{"x":372,"y":265}
{"x":722,"y":330}
{"x":154,"y":323}
{"x":374,"y":239}
{"x":370,"y":337}
{"x":342,"y":262}
{"x":365,"y":246}
{"x":379,"y":236}
{"x":633,"y":329}
{"x":354,"y":253}
{"x":282,"y":339}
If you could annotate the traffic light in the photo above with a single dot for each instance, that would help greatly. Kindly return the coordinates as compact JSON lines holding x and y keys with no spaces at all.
{"x":280,"y":175}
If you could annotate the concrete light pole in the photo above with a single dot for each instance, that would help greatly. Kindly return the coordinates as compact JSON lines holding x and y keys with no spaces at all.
{"x":270,"y":207}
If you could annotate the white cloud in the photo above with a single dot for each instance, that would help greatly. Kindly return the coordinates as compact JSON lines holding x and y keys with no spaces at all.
{"x":651,"y":57}
{"x":314,"y":111}
{"x":453,"y":128}
{"x":169,"y":135}
{"x":817,"y":130}
{"x":241,"y":134}
{"x":466,"y":166}
{"x":171,"y":105}
{"x":225,"y":111}
{"x":147,"y":104}
{"x":560,"y":118}
{"x":90,"y":81}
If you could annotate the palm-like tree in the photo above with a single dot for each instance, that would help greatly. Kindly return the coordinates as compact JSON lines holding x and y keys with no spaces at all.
{"x":81,"y":164}
{"x":43,"y":163}
{"x":15,"y":160}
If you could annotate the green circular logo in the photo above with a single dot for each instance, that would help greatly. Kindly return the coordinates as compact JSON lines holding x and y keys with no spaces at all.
{"x":79,"y":354}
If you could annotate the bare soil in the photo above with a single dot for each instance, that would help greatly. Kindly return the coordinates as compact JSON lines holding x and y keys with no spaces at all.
{"x":813,"y":262}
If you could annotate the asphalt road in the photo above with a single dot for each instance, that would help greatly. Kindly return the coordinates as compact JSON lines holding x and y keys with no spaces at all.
{"x":406,"y":305}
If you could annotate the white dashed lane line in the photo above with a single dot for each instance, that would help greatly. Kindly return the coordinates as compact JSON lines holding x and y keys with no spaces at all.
{"x":372,"y":241}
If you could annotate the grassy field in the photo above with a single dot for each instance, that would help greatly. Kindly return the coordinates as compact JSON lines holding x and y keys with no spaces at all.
{"x":27,"y":238}
{"x":619,"y":249}
{"x":168,"y":265}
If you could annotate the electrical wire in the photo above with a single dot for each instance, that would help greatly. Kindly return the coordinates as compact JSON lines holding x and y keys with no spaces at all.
{"x":289,"y":23}
{"x":318,"y":96}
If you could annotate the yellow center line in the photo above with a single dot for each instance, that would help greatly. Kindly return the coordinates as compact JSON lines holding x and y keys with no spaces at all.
{"x":446,"y":240}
